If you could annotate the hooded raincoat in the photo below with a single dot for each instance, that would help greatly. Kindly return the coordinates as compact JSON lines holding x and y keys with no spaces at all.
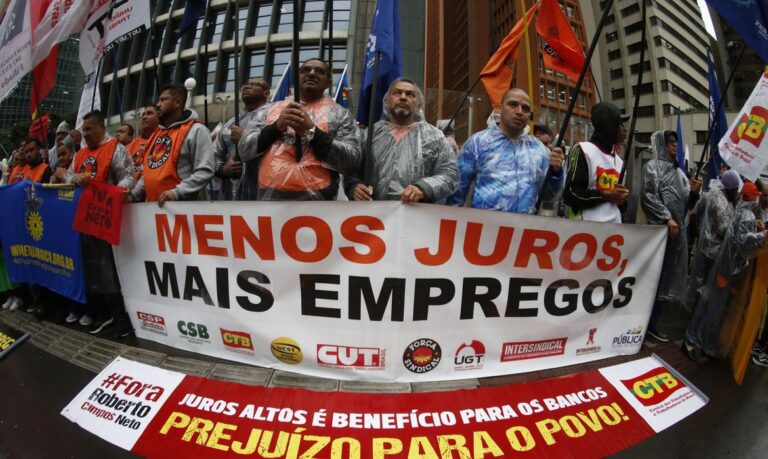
{"x":742,"y":243}
{"x":665,"y":196}
{"x":417,"y":154}
{"x":715,"y":214}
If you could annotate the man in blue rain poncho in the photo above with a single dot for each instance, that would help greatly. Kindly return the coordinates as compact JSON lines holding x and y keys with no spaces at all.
{"x":507,"y":166}
{"x":665,"y":199}
{"x":743,"y":240}
{"x":411,"y":161}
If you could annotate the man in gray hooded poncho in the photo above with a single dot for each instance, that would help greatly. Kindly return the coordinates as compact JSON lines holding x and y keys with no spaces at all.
{"x":743,"y":240}
{"x":665,"y":199}
{"x":411,"y":160}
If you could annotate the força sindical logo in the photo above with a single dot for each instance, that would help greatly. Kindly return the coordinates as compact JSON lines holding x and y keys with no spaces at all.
{"x":422,"y":355}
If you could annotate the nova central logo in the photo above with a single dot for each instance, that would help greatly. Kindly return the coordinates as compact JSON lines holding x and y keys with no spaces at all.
{"x":653,"y":387}
{"x":350,"y":357}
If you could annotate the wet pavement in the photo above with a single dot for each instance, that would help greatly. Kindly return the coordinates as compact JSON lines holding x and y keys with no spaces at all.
{"x":43,"y":374}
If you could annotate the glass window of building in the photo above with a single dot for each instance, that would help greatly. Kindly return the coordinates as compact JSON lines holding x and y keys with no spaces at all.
{"x":187,"y":70}
{"x":172,"y":39}
{"x":341,"y":14}
{"x":198,"y":33}
{"x":218,"y":27}
{"x":256,"y":64}
{"x":157,"y":39}
{"x":313,"y":15}
{"x":285,"y":21}
{"x":211,"y":77}
{"x":229,"y":85}
{"x":280,"y":58}
{"x":261,"y":23}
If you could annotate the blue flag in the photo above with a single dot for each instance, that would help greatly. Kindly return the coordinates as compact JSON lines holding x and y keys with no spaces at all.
{"x":193,"y":11}
{"x":750,"y":19}
{"x":718,"y":123}
{"x":385,"y":38}
{"x":283,"y":88}
{"x":680,"y":147}
{"x":342,"y":90}
{"x":38,"y":242}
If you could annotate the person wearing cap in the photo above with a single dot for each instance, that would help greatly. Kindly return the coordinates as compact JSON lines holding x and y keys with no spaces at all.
{"x":664,"y":199}
{"x":714,"y":210}
{"x":742,"y":242}
{"x":507,"y":166}
{"x":543,"y":133}
{"x":62,"y":130}
{"x":592,"y":189}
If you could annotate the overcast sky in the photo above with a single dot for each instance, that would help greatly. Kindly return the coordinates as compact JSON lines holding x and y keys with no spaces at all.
{"x":707,"y":20}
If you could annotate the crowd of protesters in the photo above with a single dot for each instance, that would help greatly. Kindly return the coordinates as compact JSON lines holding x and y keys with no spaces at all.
{"x":172,"y":156}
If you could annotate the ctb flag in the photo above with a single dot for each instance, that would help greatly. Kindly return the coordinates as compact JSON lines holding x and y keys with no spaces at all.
{"x":750,"y":19}
{"x":384,"y":38}
{"x":497,"y":73}
{"x":562,"y":50}
{"x":718,"y":124}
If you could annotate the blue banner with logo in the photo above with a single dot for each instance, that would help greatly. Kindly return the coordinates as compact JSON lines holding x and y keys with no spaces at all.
{"x":38,"y":242}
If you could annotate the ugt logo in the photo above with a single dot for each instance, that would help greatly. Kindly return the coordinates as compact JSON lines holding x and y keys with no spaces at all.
{"x":751,"y":127}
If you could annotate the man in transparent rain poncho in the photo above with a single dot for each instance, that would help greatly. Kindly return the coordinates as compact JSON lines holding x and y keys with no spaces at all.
{"x":665,"y":200}
{"x":412,"y":160}
{"x":743,"y":241}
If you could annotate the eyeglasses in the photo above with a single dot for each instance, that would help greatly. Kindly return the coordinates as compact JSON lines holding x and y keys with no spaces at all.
{"x":307,"y":69}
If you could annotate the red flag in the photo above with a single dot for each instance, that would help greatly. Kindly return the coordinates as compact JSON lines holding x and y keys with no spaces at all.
{"x":43,"y":80}
{"x":497,"y":73}
{"x":39,"y":128}
{"x":562,"y":51}
{"x":99,"y":211}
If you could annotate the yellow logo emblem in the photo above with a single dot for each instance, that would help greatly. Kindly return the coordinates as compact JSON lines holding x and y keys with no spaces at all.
{"x":286,"y":350}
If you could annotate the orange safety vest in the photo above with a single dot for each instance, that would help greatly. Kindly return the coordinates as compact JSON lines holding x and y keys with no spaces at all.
{"x":17,"y":174}
{"x":35,"y":174}
{"x":137,"y":148}
{"x":161,"y":159}
{"x":96,"y":161}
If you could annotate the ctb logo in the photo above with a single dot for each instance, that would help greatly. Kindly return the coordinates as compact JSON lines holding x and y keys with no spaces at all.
{"x":653,"y":387}
{"x":235,"y":339}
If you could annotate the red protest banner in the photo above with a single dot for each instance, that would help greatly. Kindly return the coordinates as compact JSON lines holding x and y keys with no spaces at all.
{"x":155,"y":412}
{"x":99,"y":211}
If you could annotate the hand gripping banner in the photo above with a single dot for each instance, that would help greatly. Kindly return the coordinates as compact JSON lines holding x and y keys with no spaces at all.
{"x":159,"y":413}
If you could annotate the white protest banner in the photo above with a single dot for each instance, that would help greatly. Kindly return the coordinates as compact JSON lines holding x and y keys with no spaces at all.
{"x":90,"y":99}
{"x":385,"y":291}
{"x":93,"y":36}
{"x":744,"y":146}
{"x":15,"y":46}
{"x":62,"y":18}
{"x":129,"y":18}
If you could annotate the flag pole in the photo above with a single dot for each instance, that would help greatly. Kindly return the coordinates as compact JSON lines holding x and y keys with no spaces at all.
{"x":330,"y":38}
{"x":636,"y":108}
{"x":237,"y":77}
{"x":295,"y":65}
{"x":368,"y":153}
{"x":96,"y":83}
{"x":38,"y":110}
{"x":575,"y":94}
{"x":461,"y":103}
{"x":528,"y":57}
{"x":700,"y":163}
{"x":204,"y":41}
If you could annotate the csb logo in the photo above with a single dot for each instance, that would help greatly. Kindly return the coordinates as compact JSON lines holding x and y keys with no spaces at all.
{"x":236,"y":340}
{"x":348,"y":356}
{"x":653,"y":387}
{"x":193,"y":331}
{"x":751,"y":127}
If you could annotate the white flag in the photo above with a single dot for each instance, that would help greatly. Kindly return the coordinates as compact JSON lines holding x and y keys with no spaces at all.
{"x":15,"y":46}
{"x":61,"y":19}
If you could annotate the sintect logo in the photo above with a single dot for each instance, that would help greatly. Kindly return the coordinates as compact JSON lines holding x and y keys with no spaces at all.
{"x":286,"y":350}
{"x":469,"y":356}
{"x":422,"y":355}
{"x":152,"y":323}
{"x":349,"y":357}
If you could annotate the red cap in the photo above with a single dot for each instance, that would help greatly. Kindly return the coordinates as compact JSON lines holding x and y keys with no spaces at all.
{"x":750,"y":192}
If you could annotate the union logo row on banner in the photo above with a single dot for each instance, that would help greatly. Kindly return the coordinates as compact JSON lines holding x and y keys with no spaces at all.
{"x":385,"y":291}
{"x":160,"y":413}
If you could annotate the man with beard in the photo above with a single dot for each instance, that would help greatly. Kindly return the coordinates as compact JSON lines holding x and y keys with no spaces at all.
{"x":506,"y":166}
{"x":105,"y":160}
{"x":36,"y":170}
{"x":62,"y":130}
{"x":412,"y":160}
{"x":254,"y":95}
{"x":179,"y":156}
{"x":665,"y":198}
{"x":329,"y":142}
{"x":592,"y":189}
{"x":148,"y":124}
